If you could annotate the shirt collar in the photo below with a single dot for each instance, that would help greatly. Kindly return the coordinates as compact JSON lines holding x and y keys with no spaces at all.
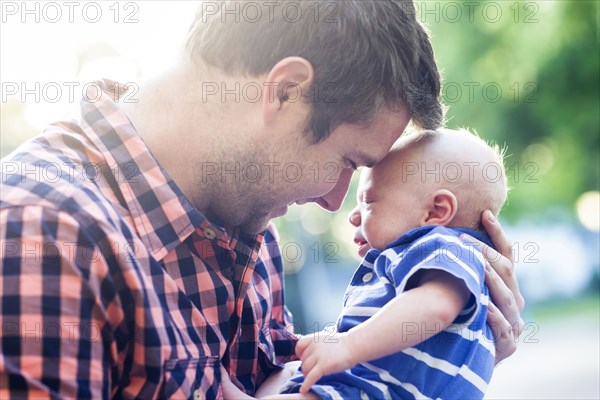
{"x":162,"y":215}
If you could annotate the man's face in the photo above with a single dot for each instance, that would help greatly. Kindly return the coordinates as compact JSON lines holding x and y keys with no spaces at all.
{"x":389,"y":203}
{"x":304,"y":172}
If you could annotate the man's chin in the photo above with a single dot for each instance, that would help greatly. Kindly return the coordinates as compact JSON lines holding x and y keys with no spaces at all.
{"x":279,"y":212}
{"x":257,"y":225}
{"x":254,"y":227}
{"x":259,"y":222}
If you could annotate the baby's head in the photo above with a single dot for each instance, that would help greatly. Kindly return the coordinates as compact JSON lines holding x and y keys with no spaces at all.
{"x":441,"y":177}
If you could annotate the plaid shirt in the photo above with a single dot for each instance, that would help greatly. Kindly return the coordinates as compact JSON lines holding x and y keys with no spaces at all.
{"x":113,"y":285}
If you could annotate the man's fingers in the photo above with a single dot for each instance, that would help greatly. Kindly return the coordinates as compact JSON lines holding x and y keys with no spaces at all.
{"x":504,"y":271}
{"x":502,"y":263}
{"x":503,"y":334}
{"x":503,"y":297}
{"x":496,"y":233}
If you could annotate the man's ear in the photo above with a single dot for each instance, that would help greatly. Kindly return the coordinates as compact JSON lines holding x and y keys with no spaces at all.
{"x":442,"y":207}
{"x":289,"y":80}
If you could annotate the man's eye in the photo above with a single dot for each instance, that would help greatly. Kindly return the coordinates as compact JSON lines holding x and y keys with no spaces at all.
{"x":351,"y":164}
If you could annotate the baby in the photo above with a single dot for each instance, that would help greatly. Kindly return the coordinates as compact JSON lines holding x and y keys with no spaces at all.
{"x":414,"y":318}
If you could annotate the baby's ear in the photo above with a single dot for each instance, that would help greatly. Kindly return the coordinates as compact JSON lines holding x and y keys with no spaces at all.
{"x":442,"y":206}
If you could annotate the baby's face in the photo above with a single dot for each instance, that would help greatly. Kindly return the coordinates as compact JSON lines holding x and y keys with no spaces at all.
{"x":388,"y":205}
{"x":401,"y":192}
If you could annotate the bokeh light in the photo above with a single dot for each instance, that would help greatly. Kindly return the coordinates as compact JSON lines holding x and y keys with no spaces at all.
{"x":588,"y":210}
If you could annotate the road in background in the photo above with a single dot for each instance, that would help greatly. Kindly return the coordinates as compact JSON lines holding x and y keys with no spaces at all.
{"x":556,"y":359}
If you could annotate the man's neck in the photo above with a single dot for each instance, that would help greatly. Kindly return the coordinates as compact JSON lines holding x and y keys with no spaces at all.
{"x":167,"y":118}
{"x":187,"y":130}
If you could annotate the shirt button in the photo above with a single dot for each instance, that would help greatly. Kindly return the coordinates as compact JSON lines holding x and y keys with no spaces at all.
{"x":367,"y":277}
{"x":209,"y":233}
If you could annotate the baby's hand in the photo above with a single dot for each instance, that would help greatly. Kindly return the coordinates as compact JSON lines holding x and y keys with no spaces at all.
{"x":323,"y":353}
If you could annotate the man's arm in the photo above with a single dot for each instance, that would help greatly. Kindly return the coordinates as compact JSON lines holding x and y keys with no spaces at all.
{"x":280,"y":324}
{"x":52,"y":339}
{"x":269,"y":390}
{"x":504,"y":315}
{"x":432,"y":305}
{"x":276,"y":380}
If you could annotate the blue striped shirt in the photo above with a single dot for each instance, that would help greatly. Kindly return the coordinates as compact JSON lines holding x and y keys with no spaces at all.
{"x":456,"y":363}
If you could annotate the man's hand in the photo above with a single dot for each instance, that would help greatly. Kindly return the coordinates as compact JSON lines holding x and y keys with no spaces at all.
{"x":272,"y":385}
{"x":230,"y":391}
{"x":321,"y":354}
{"x":504,"y":316}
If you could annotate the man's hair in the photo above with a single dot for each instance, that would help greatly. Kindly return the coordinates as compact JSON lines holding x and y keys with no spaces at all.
{"x":366,"y":54}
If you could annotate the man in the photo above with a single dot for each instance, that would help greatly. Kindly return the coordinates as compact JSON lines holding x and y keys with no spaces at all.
{"x":135,"y":264}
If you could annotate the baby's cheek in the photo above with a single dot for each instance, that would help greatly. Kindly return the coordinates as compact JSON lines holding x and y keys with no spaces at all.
{"x":386,"y":235}
{"x":374,"y":233}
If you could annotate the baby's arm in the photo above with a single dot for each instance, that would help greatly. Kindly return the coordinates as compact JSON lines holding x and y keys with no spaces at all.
{"x":434,"y":302}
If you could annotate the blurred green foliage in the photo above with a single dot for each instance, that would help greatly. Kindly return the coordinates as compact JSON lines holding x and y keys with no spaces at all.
{"x":545,"y":58}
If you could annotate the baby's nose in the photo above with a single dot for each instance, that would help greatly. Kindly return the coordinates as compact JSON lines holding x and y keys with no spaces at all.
{"x":354,"y":216}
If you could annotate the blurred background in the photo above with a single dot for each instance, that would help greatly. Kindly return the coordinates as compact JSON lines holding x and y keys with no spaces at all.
{"x":524,"y":74}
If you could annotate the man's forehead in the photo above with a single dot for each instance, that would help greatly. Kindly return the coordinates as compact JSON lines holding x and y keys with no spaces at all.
{"x":389,"y":127}
{"x":371,"y":152}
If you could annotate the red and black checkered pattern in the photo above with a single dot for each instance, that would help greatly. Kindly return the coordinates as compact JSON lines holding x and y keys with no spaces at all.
{"x":113,"y":285}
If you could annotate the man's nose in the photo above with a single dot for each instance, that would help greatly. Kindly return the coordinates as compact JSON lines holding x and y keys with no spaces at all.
{"x":332,"y":200}
{"x":354,"y":216}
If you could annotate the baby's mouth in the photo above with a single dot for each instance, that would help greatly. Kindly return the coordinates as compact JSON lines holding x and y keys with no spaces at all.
{"x":360,"y":241}
{"x":363,"y":246}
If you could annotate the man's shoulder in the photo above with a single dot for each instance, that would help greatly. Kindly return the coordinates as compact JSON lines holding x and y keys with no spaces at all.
{"x":51,"y":199}
{"x":54,"y":171}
